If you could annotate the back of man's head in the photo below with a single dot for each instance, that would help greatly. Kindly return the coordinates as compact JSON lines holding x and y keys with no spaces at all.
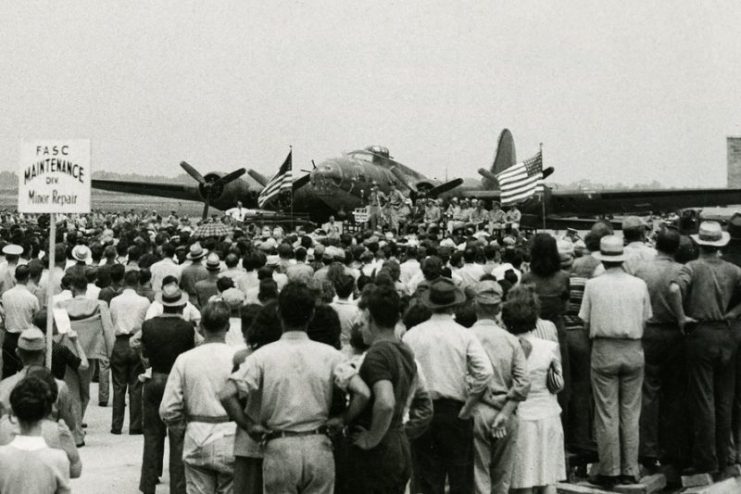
{"x":22,"y":273}
{"x":344,"y":285}
{"x":215,"y":317}
{"x":296,"y":305}
{"x":168,"y":250}
{"x":231,"y":261}
{"x":78,"y":283}
{"x":383,"y":305}
{"x":117,"y":273}
{"x":131,"y":278}
{"x":667,"y":241}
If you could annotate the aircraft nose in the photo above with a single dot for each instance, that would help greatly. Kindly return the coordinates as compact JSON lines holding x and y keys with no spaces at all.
{"x":326,"y":176}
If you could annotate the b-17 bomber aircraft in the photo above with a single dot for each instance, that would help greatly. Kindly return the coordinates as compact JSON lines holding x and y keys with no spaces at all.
{"x":338,"y":185}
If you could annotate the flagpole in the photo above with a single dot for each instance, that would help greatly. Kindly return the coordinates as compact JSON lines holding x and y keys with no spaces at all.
{"x":542,"y":197}
{"x":293,"y":222}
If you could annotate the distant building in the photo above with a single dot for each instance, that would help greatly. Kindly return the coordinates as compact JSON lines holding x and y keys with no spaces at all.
{"x":734,"y":161}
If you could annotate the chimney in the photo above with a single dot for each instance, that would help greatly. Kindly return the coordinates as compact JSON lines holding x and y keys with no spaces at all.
{"x":734,"y":162}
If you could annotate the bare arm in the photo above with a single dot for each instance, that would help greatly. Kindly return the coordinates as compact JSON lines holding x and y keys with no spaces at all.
{"x":360,"y":397}
{"x":383,"y":413}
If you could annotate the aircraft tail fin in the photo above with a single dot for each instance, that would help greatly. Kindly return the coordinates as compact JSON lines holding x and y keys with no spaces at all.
{"x":503,"y":159}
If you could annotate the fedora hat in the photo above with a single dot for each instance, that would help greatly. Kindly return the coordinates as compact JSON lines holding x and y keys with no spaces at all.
{"x":443,"y":293}
{"x":196,"y":252}
{"x":711,"y":234}
{"x":610,"y":249}
{"x":734,"y":226}
{"x":171,"y":296}
{"x":213,"y":263}
{"x":81,"y":253}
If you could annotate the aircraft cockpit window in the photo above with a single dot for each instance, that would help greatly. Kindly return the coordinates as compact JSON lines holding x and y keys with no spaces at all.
{"x":362,"y":156}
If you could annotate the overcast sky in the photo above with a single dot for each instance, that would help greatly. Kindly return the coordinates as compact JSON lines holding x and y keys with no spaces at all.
{"x":616,"y":91}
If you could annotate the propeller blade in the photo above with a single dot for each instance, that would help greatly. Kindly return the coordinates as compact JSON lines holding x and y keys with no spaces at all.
{"x":259,"y":178}
{"x":230,"y":177}
{"x":192,"y":172}
{"x":436,"y":191}
{"x":205,"y":210}
{"x":301,"y":181}
{"x":548,"y":171}
{"x":313,"y":164}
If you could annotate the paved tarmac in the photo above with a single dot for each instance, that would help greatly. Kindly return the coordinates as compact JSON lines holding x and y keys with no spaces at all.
{"x":110,"y":464}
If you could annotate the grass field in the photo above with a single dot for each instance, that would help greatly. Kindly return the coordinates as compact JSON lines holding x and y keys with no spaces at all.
{"x":113,"y":202}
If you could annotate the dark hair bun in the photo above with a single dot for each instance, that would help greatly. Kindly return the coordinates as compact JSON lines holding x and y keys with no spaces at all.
{"x":31,"y":400}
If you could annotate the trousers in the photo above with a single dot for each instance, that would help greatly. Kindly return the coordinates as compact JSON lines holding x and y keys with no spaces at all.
{"x":204,"y":480}
{"x":664,"y":433}
{"x":710,"y":349}
{"x":578,"y":422}
{"x":78,"y":382}
{"x":444,"y":450}
{"x":384,"y":469}
{"x":617,"y":378}
{"x":125,"y":369}
{"x":11,"y":362}
{"x":154,"y":441}
{"x":104,"y":380}
{"x":492,"y":458}
{"x":298,"y":464}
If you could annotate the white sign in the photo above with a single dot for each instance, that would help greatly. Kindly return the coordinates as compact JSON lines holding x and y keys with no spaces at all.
{"x":54,"y":176}
{"x":360,"y":215}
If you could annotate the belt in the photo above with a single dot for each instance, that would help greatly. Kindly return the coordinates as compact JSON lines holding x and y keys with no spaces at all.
{"x":220,"y":419}
{"x":123,"y":336}
{"x":266,"y":438}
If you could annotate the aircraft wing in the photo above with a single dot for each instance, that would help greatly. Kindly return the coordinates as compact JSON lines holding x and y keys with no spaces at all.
{"x":638,"y":201}
{"x":173,"y":191}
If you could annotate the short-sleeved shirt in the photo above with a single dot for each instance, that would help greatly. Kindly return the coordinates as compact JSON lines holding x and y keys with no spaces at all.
{"x":616,"y":305}
{"x":391,"y":361}
{"x":658,"y":273}
{"x":296,"y":378}
{"x":707,"y":285}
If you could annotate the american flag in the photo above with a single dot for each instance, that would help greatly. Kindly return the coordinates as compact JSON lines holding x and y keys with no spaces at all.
{"x":521,"y":181}
{"x":282,"y":181}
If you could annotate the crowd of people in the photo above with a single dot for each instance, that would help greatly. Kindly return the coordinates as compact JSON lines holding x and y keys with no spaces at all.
{"x":446,"y":353}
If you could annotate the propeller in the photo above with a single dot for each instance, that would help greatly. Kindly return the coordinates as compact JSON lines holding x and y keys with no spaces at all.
{"x":211,"y":186}
{"x":444,"y":187}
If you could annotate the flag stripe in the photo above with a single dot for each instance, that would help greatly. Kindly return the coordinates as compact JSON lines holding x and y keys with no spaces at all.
{"x":283,"y":180}
{"x":521,"y":181}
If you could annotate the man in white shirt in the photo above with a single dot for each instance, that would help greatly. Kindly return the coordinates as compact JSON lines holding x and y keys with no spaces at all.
{"x":20,"y":306}
{"x":127,"y":314}
{"x":166,"y":267}
{"x":237,"y":213}
{"x":456,"y":368}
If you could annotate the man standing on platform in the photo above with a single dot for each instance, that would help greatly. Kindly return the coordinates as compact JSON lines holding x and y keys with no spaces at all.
{"x":456,"y":367}
{"x":615,"y":308}
{"x":705,"y":287}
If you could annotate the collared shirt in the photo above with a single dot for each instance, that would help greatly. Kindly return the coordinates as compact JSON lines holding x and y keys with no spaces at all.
{"x":192,"y":395}
{"x":658,"y":274}
{"x":637,"y":253}
{"x":93,"y":291}
{"x":128,"y":311}
{"x":452,"y":359}
{"x":295,"y":376}
{"x":161,"y":269}
{"x":471,"y":273}
{"x":616,"y":305}
{"x":20,"y":306}
{"x":250,"y":286}
{"x":510,"y":381}
{"x":408,"y":269}
{"x":707,"y":286}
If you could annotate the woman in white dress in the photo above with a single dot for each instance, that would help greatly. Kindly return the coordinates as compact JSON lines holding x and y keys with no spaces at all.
{"x":539,"y":446}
